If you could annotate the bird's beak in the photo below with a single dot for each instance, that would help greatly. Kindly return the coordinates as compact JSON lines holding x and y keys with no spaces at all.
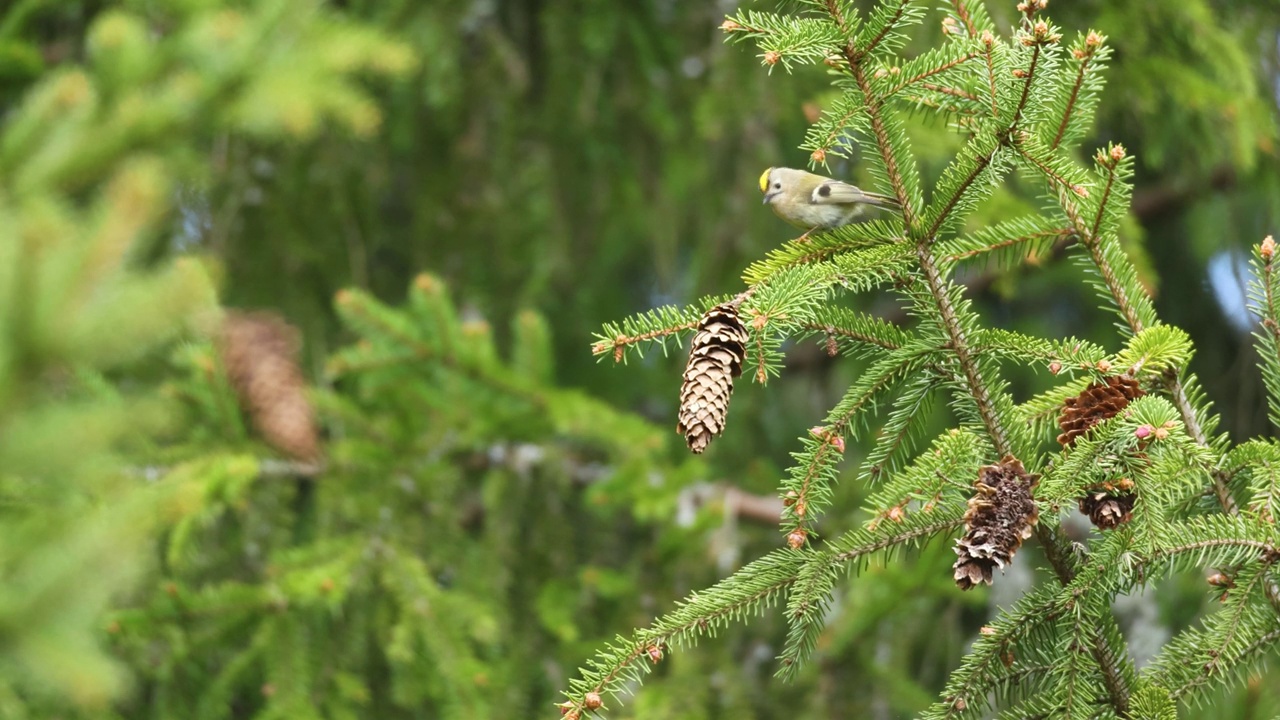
{"x":767,"y":198}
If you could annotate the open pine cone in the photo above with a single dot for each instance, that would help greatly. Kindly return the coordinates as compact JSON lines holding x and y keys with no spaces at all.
{"x":999,"y":518}
{"x":1100,"y":401}
{"x":1107,"y":507}
{"x":715,"y":358}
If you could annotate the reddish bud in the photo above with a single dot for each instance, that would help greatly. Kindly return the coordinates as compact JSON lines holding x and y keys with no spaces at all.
{"x":1104,"y":365}
{"x":790,"y":498}
{"x":730,"y":25}
{"x":1268,"y":248}
{"x":1019,"y":73}
{"x":592,"y":701}
{"x":772,"y":57}
{"x":987,"y":630}
{"x":1117,"y":153}
{"x":1219,"y":580}
{"x":796,"y":539}
{"x":896,"y":513}
{"x":655,"y":654}
{"x":1055,"y":367}
{"x":1143,"y":432}
{"x":1093,"y":39}
{"x":818,"y":156}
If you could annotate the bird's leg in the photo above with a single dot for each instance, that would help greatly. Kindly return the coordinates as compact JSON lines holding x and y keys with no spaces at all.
{"x":805,"y":237}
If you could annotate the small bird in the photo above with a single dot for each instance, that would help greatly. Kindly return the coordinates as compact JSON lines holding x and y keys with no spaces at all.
{"x":814,"y":202}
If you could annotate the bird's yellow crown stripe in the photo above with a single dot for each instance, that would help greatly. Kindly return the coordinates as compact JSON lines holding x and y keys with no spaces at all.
{"x":764,"y":180}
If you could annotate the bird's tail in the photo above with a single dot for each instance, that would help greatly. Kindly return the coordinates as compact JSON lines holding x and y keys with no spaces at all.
{"x":881,"y":201}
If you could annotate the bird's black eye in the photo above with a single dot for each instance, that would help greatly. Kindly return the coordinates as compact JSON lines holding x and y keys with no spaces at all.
{"x":777,"y":186}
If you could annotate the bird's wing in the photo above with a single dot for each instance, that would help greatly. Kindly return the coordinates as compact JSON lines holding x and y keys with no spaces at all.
{"x":834,"y":192}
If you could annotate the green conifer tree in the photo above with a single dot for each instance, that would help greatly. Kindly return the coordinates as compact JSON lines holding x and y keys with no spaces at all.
{"x":1137,"y":448}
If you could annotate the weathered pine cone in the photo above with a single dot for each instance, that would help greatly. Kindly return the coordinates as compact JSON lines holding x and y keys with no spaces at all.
{"x":715,"y":358}
{"x":1100,"y":401}
{"x":999,"y":518}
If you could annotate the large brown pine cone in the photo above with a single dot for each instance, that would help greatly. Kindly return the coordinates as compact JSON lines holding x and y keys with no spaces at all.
{"x":1100,"y":401}
{"x":715,"y":359}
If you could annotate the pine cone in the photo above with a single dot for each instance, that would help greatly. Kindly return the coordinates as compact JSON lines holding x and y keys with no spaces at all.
{"x":1098,"y":402}
{"x":999,"y":518}
{"x":715,"y":359}
{"x":1108,"y":509}
{"x":259,"y":352}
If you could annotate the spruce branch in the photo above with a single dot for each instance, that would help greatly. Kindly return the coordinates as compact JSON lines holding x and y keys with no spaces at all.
{"x":810,"y":594}
{"x":947,"y":312}
{"x":1263,"y":291}
{"x":1133,"y":304}
{"x":887,"y":20}
{"x":855,"y":332}
{"x":1049,"y":164}
{"x":933,"y":64}
{"x":854,"y":59}
{"x":810,"y":480}
{"x":988,"y":55}
{"x":1018,"y":240}
{"x":1033,"y":618}
{"x":1253,"y":650}
{"x":622,"y":665}
{"x":871,"y":252}
{"x":959,"y":345}
{"x":954,"y":92}
{"x":1090,"y":53}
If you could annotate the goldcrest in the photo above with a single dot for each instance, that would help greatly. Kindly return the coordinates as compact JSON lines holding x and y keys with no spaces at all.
{"x":814,"y":202}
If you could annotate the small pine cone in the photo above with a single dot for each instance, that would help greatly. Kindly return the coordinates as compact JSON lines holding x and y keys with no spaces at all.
{"x":1108,"y":510}
{"x":259,"y":352}
{"x":1098,"y":402}
{"x":999,"y":518}
{"x":715,"y":359}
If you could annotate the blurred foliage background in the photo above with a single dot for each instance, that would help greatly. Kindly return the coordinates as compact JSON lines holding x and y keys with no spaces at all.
{"x":447,"y":199}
